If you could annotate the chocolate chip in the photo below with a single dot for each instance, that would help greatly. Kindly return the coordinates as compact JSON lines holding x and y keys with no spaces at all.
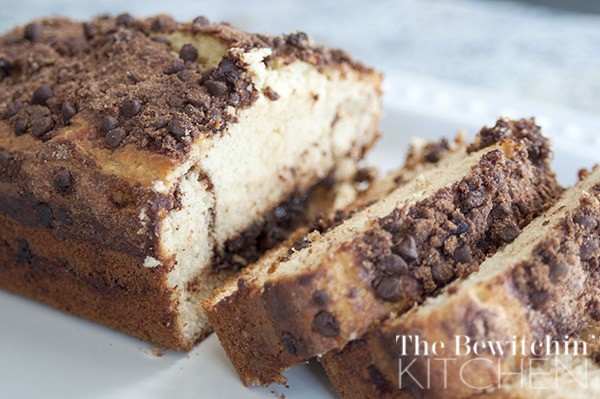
{"x":114,"y":138}
{"x":21,"y":125}
{"x":5,"y":67}
{"x":67,"y":111}
{"x":41,"y":126}
{"x":558,"y":271}
{"x":131,"y":108}
{"x":33,"y":32}
{"x":185,"y":75}
{"x":588,"y":250}
{"x":178,"y":127}
{"x":200,"y":21}
{"x":228,"y":70}
{"x":133,"y":78}
{"x":125,"y":20}
{"x":176,"y":66}
{"x":594,"y":310}
{"x":462,"y":227}
{"x":393,"y":265}
{"x":108,"y":123}
{"x":299,"y":244}
{"x":442,"y":273}
{"x":63,"y":181}
{"x":320,"y":298}
{"x":299,"y":39}
{"x":62,"y":216}
{"x":508,"y":233}
{"x":326,"y":324}
{"x":462,"y":254}
{"x":215,"y":87}
{"x":188,"y":52}
{"x":12,"y":108}
{"x":89,"y":30}
{"x":407,"y":249}
{"x":389,"y":289}
{"x":538,"y":299}
{"x":161,"y":23}
{"x":4,"y":158}
{"x":271,"y":94}
{"x":24,"y":254}
{"x":586,"y":221}
{"x":290,"y":342}
{"x":477,"y":325}
{"x":42,"y":94}
{"x":44,"y":214}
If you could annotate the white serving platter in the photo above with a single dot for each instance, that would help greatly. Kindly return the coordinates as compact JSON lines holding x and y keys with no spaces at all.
{"x":48,"y":354}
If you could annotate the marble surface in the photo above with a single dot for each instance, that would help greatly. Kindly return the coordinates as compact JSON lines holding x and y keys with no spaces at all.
{"x":515,"y":48}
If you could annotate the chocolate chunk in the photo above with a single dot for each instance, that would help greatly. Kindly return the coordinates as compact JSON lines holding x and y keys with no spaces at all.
{"x":588,"y":250}
{"x":125,"y":20}
{"x":508,"y":233}
{"x":594,"y":310}
{"x":63,"y":181}
{"x":162,"y":23}
{"x":188,"y":52}
{"x":131,"y":108}
{"x":586,"y":221}
{"x":178,"y":127}
{"x":68,"y":111}
{"x":108,"y":123}
{"x":389,"y":289}
{"x":175,"y":67}
{"x":41,"y":126}
{"x":393,"y":265}
{"x":462,"y":254}
{"x":21,"y":125}
{"x":320,"y":297}
{"x":299,"y":39}
{"x":407,"y":249}
{"x":42,"y":94}
{"x":326,"y":324}
{"x":200,"y":21}
{"x":290,"y":342}
{"x":44,"y":214}
{"x":33,"y":32}
{"x":24,"y":254}
{"x":114,"y":138}
{"x":12,"y":108}
{"x":538,"y":299}
{"x":215,"y":87}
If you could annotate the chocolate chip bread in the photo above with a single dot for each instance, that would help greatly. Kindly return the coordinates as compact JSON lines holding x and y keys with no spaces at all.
{"x":143,"y":161}
{"x":557,"y":377}
{"x":541,"y":286}
{"x":430,"y":230}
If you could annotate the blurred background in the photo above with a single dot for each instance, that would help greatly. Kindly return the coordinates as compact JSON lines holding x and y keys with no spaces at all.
{"x":542,"y":50}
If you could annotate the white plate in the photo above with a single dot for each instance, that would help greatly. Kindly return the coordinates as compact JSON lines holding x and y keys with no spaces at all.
{"x":47,"y":354}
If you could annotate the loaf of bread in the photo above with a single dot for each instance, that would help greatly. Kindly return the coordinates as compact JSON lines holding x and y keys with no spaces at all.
{"x":436,"y":225}
{"x":144,"y":161}
{"x":539,"y":289}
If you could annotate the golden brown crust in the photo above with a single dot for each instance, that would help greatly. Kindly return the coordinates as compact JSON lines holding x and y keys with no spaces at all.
{"x":550,"y":293}
{"x":322,"y":308}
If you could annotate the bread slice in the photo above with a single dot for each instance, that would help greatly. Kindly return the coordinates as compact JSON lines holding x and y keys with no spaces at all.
{"x":544,"y":284}
{"x":559,"y":376}
{"x":425,"y":233}
{"x":139,"y":157}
